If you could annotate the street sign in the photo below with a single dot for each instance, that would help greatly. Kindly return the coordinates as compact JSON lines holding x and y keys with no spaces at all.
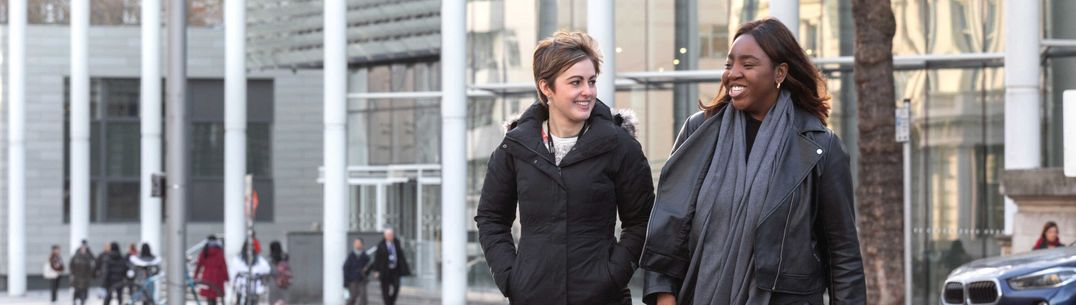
{"x":157,"y":187}
{"x":903,"y":124}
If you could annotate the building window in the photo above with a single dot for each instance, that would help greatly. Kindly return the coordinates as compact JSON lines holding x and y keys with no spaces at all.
{"x":713,"y":42}
{"x":207,"y":147}
{"x":115,"y":148}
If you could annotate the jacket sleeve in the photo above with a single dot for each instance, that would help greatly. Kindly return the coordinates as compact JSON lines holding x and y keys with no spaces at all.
{"x":495,"y":216}
{"x":348,"y":266}
{"x":655,"y":283}
{"x":837,"y":221}
{"x":635,"y":198}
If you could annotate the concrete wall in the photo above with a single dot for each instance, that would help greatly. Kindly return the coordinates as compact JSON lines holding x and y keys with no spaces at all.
{"x":115,"y":52}
{"x":1041,"y":195}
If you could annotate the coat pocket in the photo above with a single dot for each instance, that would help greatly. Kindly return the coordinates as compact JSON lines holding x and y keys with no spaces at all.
{"x":619,"y":267}
{"x":798,"y":283}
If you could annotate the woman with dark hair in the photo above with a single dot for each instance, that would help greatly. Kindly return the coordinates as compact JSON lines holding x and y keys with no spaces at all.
{"x":281,"y":274}
{"x":755,"y":204}
{"x":145,"y":265}
{"x":1049,"y":238}
{"x":212,"y":270}
{"x":53,"y":271}
{"x":570,"y":167}
{"x":115,"y":269}
{"x":247,"y":271}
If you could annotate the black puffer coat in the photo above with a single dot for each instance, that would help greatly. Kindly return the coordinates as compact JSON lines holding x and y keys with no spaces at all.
{"x":567,"y":252}
{"x":115,"y":268}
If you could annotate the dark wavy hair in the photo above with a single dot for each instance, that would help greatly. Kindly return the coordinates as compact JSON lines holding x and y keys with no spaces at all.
{"x":1046,"y":227}
{"x":804,"y":82}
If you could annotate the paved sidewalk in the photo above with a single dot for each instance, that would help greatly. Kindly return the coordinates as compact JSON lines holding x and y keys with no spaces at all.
{"x":408,"y":296}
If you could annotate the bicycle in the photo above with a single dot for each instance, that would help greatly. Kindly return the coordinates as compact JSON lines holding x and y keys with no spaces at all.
{"x":132,"y":289}
{"x":144,"y":290}
{"x":250,"y":289}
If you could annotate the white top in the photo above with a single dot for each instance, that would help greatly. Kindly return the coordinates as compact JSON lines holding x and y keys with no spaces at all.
{"x":237,"y":265}
{"x":561,"y":146}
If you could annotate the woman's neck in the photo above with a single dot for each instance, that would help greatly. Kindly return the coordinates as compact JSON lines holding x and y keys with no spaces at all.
{"x":563,"y":128}
{"x":764,"y":108}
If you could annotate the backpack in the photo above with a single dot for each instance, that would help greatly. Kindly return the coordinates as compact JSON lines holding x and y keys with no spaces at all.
{"x":283,"y":274}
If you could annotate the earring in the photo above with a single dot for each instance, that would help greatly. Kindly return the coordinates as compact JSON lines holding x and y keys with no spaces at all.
{"x":778,"y":85}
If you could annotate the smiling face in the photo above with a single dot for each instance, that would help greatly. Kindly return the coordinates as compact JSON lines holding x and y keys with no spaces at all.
{"x":572,"y":97}
{"x":751,"y":78}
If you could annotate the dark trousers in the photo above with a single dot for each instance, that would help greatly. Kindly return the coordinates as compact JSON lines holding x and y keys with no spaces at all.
{"x":55,"y":287}
{"x":357,"y":292}
{"x":80,"y":295}
{"x":390,"y":288}
{"x":119,"y":295}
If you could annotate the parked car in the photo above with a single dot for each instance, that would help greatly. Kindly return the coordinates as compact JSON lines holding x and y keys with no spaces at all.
{"x":1044,"y":277}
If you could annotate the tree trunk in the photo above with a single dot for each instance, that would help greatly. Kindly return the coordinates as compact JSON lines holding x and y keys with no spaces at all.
{"x":879,"y":195}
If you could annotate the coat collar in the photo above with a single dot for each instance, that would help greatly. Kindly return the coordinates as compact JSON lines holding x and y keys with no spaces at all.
{"x":599,"y":137}
{"x":794,"y":165}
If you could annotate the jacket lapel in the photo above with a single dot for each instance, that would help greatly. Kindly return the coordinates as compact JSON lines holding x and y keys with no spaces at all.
{"x":796,"y":162}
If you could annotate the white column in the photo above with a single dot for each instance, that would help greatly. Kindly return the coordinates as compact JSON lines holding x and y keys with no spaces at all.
{"x":1023,"y":112}
{"x":335,"y":164}
{"x":235,"y":124}
{"x":80,"y":123}
{"x":788,"y":12}
{"x":16,"y":149}
{"x":454,"y":151}
{"x":1068,"y":107}
{"x":379,"y":216}
{"x":151,"y":117}
{"x":418,"y":207}
{"x":601,"y":24}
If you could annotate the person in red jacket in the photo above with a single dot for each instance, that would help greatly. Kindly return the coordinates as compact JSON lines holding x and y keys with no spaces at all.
{"x":212,"y":270}
{"x":1049,"y":238}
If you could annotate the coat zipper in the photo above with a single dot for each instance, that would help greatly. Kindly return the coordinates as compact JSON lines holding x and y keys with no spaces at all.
{"x":784,"y":235}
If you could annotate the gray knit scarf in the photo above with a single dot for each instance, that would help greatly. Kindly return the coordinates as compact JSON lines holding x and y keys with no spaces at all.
{"x":730,"y":205}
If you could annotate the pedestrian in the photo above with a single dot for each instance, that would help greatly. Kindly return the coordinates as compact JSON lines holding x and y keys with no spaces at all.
{"x":146,"y":265}
{"x":755,"y":204}
{"x":570,"y":166}
{"x":132,"y":250}
{"x":1049,"y":238}
{"x":355,"y":270}
{"x":212,"y":270}
{"x":281,"y":274}
{"x":252,"y":269}
{"x":390,"y":262}
{"x":82,"y":271}
{"x":53,"y":270}
{"x":114,"y":271}
{"x":100,"y":270}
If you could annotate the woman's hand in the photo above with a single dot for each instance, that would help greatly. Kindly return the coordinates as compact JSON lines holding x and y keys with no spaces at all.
{"x":666,"y":299}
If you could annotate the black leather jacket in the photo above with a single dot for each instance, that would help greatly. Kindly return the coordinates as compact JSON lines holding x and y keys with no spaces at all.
{"x":806,"y":242}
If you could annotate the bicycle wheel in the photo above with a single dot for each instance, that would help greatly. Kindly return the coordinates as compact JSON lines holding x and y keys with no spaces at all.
{"x":198,"y":290}
{"x":131,"y":293}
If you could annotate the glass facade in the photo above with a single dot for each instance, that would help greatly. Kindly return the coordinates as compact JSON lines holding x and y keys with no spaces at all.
{"x":957,"y":112}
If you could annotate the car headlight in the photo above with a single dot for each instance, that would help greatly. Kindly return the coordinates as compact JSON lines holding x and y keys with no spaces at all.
{"x":1049,"y":278}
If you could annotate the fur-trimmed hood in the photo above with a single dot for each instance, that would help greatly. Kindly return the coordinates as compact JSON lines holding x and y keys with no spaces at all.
{"x":625,"y":118}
